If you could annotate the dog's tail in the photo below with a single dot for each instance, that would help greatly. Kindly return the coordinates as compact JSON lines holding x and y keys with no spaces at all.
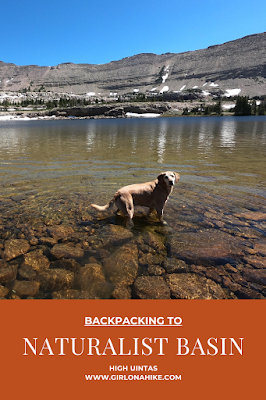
{"x":106,"y":207}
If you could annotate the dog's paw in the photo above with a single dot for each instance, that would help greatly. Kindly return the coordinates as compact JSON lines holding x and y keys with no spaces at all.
{"x":129,"y":223}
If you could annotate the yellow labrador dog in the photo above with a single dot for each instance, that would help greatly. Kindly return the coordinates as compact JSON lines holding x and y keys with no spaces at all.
{"x":152,"y":194}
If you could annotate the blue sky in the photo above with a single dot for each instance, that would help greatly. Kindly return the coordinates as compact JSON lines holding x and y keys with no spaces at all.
{"x":46,"y":32}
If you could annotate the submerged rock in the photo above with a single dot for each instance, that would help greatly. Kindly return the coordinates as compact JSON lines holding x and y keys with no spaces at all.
{"x":36,"y":260}
{"x":174,"y":265}
{"x":253,"y":215}
{"x":3,"y":264}
{"x":91,"y":279}
{"x":33,"y":240}
{"x":255,"y":275}
{"x":3,"y":291}
{"x":60,"y":231}
{"x":122,"y":266}
{"x":146,"y":259}
{"x":15,"y":248}
{"x":8,"y":274}
{"x":156,"y":270}
{"x":260,"y":247}
{"x":89,"y":274}
{"x":47,"y":241}
{"x":66,"y":251}
{"x":192,"y":286}
{"x":121,"y":293}
{"x":114,"y":235}
{"x":151,"y":287}
{"x":248,"y":293}
{"x":256,"y":262}
{"x":66,"y":263}
{"x":154,"y":241}
{"x":212,"y":274}
{"x":207,"y":247}
{"x":72,"y":294}
{"x":25,"y":288}
{"x":120,"y":233}
{"x":56,"y":279}
{"x":229,"y":284}
{"x":27,"y":273}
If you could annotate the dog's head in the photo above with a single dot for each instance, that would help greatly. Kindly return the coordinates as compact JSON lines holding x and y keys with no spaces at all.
{"x":168,"y":178}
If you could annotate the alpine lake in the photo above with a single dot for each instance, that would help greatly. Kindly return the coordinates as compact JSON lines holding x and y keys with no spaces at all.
{"x":53,"y":245}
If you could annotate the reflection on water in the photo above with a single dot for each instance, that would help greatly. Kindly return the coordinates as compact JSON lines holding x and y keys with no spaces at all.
{"x":205,"y":139}
{"x":50,"y":171}
{"x":91,"y":136}
{"x":162,"y":141}
{"x":68,"y":148}
{"x":228,"y":131}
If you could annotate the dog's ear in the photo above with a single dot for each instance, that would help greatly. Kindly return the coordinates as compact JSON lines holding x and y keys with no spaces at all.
{"x":177,"y":176}
{"x":161,"y":178}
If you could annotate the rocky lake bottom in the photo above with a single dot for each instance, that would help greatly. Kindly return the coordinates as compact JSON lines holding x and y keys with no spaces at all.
{"x":214,"y":247}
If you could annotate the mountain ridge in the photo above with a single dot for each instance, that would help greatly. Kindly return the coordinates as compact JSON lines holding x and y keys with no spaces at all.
{"x":237,"y":64}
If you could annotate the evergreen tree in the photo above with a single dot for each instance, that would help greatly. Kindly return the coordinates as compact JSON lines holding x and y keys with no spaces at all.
{"x":218,"y":107}
{"x":207,"y":110}
{"x":254,"y":107}
{"x":242,"y":107}
{"x":261,"y":108}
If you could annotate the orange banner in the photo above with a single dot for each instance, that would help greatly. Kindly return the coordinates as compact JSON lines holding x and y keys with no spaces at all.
{"x":132,"y":349}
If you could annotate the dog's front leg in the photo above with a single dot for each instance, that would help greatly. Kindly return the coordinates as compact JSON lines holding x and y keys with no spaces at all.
{"x":160,"y":216}
{"x":129,"y":222}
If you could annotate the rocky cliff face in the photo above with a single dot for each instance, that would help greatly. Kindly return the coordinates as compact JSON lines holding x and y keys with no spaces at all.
{"x":234,"y":67}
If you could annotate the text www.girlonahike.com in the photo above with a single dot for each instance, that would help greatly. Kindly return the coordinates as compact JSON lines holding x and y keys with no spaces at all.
{"x":123,"y":374}
{"x":133,"y":377}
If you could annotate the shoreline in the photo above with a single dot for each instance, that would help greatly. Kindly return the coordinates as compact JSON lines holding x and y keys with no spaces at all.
{"x":114,"y":110}
{"x":54,"y":117}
